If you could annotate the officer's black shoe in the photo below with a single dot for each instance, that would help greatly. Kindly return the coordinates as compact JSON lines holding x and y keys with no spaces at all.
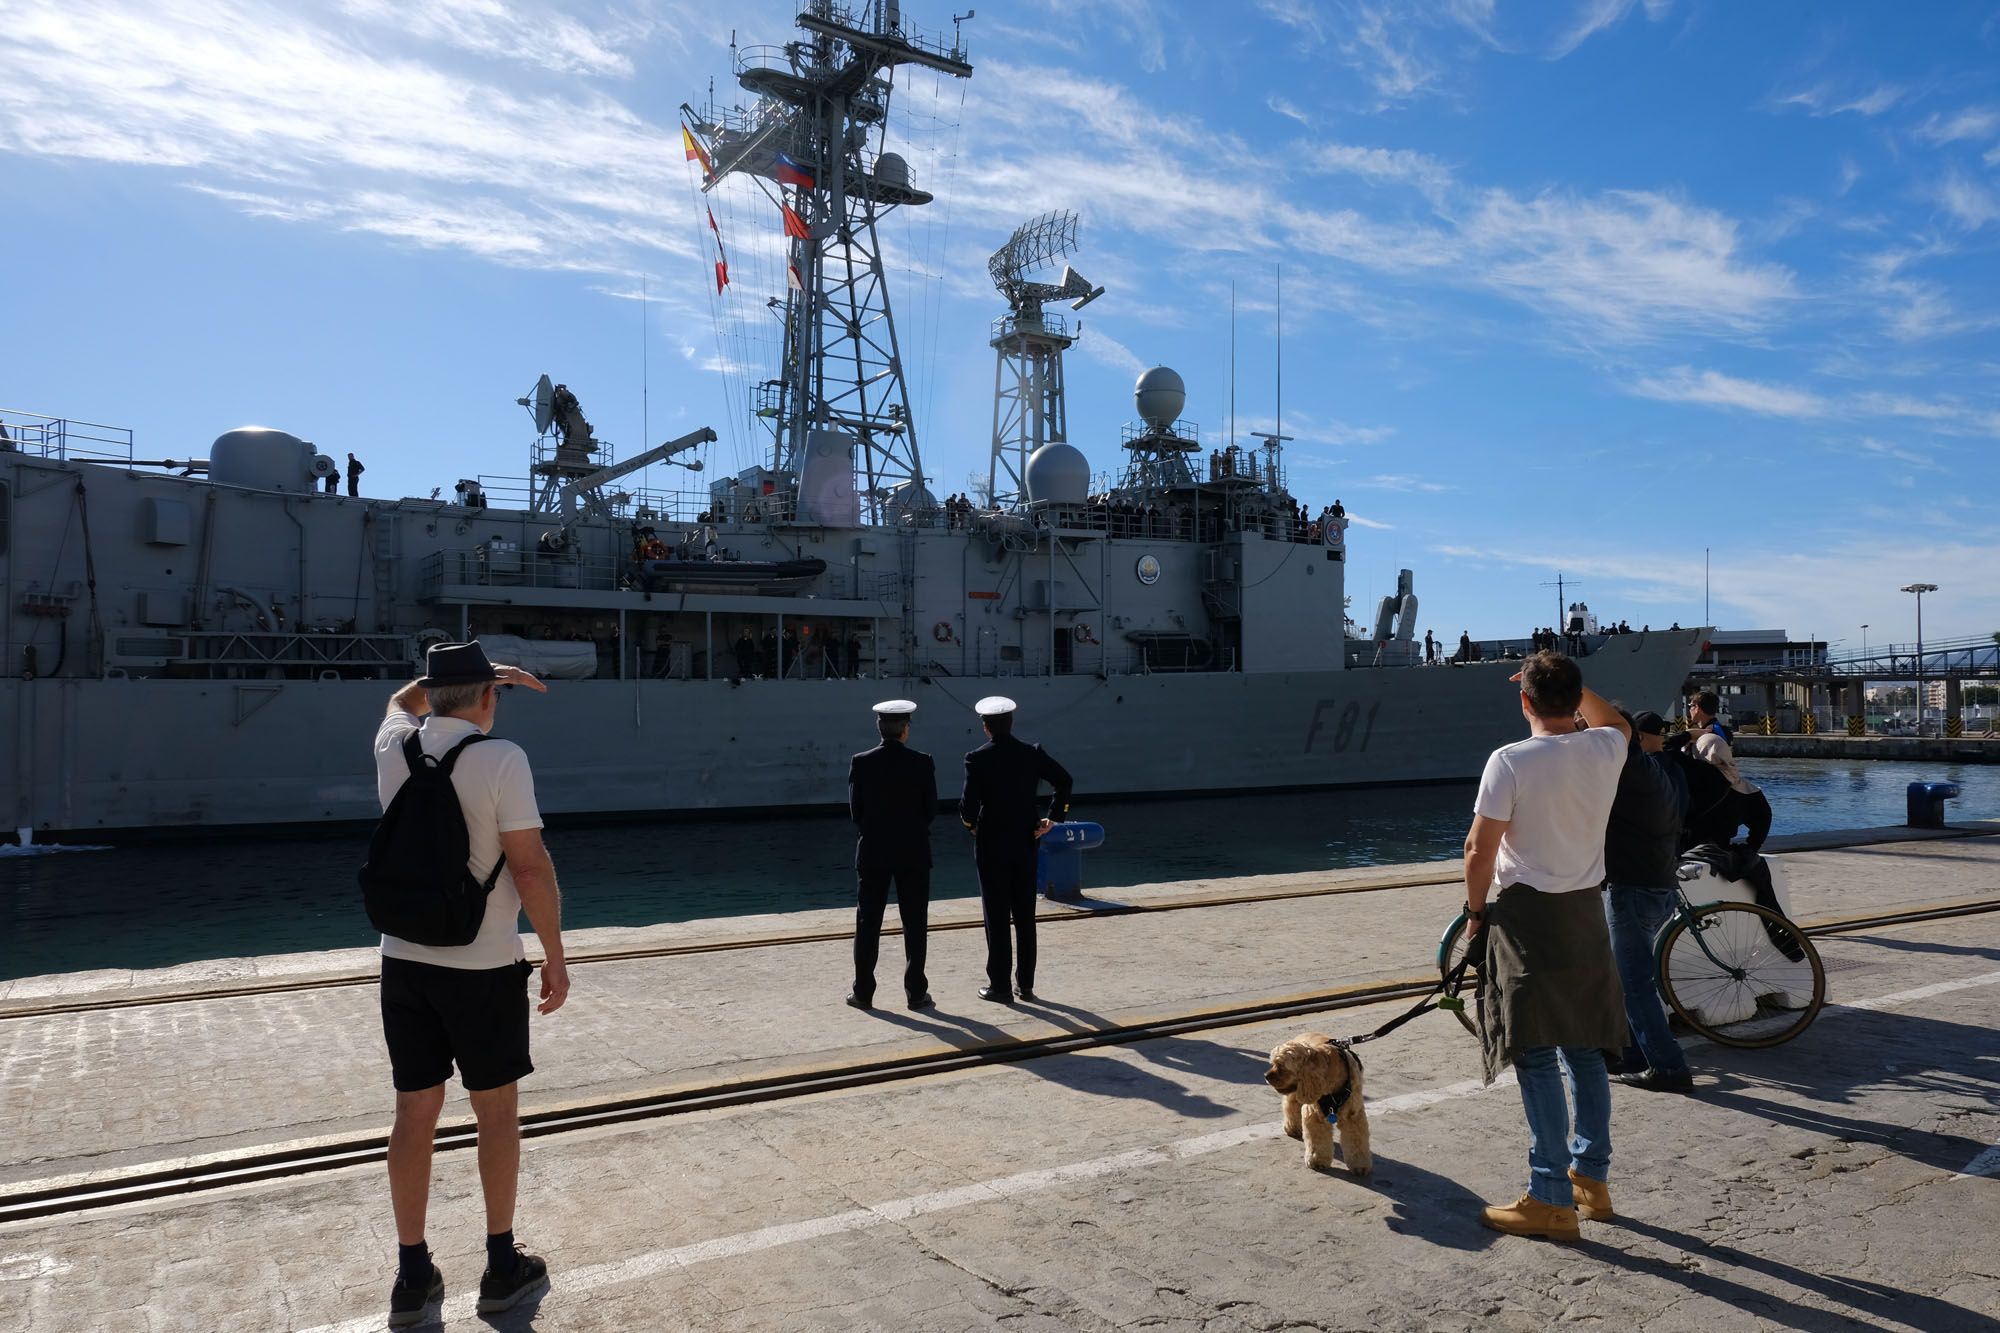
{"x":503,"y":1291}
{"x":1027,"y":994}
{"x":997,"y":994}
{"x":408,"y":1301}
{"x":922,"y":1001}
{"x":857,"y":1001}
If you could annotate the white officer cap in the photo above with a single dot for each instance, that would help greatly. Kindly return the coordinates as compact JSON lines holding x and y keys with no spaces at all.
{"x":993,"y":705}
{"x":895,"y":708}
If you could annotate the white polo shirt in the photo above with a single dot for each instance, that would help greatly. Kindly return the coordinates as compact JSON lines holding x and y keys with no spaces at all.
{"x":497,"y":793}
{"x":1555,"y":793}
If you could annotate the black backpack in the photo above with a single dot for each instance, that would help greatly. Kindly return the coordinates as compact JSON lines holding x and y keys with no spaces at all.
{"x":416,"y":882}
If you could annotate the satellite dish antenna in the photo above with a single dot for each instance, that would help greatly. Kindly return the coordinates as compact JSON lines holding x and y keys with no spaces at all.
{"x":541,"y":404}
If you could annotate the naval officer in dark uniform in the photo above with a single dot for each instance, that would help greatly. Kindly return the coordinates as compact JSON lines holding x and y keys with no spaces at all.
{"x":1001,"y":809}
{"x":892,"y":795}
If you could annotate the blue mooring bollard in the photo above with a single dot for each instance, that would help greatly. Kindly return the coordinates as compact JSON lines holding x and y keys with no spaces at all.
{"x":1926,"y":803}
{"x":1059,"y":858}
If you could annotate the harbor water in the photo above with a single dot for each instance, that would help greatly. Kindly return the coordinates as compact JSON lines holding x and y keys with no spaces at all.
{"x":161,"y":903}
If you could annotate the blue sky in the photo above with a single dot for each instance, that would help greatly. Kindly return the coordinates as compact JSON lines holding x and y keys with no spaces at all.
{"x":1587,"y":285}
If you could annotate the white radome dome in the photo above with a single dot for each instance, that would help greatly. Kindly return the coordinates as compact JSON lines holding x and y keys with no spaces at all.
{"x":1160,"y":395}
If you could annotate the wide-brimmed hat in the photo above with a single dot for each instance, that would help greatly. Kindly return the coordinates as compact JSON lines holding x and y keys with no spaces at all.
{"x":456,"y":664}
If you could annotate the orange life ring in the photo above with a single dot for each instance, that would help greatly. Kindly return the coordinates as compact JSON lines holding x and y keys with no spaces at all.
{"x":942,"y":631}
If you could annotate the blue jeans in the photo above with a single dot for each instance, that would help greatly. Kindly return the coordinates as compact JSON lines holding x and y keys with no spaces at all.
{"x":1552,"y":1149}
{"x":1636,"y":913}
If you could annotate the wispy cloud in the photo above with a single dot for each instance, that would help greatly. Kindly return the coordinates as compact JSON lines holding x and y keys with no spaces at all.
{"x":1380,"y":165}
{"x":1826,"y":100}
{"x":1978,"y":122}
{"x":346,"y":136}
{"x":1594,"y":16}
{"x":1360,"y":522}
{"x":1289,"y":109}
{"x":1969,"y":203}
{"x":1711,"y":388}
{"x":1630,"y":262}
{"x":512,"y":31}
{"x":1401,"y":482}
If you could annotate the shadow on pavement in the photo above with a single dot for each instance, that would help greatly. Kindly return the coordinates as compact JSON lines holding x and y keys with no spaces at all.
{"x":1104,"y":1078}
{"x":1865,"y":1054}
{"x":1923,"y":946}
{"x":1891,"y":1305}
{"x":1428,"y":1206}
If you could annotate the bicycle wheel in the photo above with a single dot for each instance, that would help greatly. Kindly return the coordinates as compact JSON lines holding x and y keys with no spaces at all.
{"x":1741,"y":975}
{"x":1451,"y":948}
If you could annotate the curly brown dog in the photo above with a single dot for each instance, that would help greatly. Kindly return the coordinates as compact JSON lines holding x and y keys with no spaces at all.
{"x":1310,"y":1068}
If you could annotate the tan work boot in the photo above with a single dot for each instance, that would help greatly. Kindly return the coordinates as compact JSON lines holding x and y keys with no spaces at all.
{"x":1529,"y":1216}
{"x":1593,"y":1198}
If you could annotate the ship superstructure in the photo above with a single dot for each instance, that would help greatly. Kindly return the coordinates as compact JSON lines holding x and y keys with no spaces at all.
{"x":206,"y":640}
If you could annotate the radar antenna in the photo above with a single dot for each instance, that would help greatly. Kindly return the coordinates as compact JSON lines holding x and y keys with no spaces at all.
{"x":1028,"y":344}
{"x":839,"y":407}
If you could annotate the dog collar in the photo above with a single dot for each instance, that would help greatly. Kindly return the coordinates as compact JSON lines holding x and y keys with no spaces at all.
{"x":1329,"y":1105}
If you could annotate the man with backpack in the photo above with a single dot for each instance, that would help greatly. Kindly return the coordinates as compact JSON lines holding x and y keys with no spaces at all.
{"x":457,"y":858}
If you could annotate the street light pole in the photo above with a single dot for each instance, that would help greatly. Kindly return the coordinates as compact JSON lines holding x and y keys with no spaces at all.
{"x":1920,"y":589}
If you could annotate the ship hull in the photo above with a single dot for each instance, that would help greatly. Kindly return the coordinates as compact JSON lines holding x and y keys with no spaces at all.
{"x":92,"y":757}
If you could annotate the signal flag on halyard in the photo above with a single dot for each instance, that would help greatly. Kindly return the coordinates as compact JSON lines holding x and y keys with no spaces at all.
{"x":793,"y":172}
{"x":696,"y":153}
{"x":721,"y":255}
{"x":794,"y":224}
{"x":792,"y":278}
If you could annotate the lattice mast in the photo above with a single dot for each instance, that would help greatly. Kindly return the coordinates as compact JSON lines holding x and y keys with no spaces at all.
{"x":816,"y":131}
{"x":1028,"y":344}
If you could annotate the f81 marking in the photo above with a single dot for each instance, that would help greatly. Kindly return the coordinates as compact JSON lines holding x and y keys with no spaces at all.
{"x":1344,"y":719}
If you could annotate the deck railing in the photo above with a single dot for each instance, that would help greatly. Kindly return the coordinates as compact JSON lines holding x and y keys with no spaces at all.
{"x":64,"y":439}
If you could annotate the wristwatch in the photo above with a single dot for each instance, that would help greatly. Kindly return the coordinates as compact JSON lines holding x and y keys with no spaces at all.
{"x":1475,"y":914}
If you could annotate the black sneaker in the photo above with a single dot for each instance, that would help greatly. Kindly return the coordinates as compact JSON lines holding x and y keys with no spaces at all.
{"x":409,"y":1300}
{"x":503,"y":1291}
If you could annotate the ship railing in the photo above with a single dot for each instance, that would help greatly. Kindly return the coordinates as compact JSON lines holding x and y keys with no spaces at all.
{"x":64,"y":439}
{"x":1046,"y":324}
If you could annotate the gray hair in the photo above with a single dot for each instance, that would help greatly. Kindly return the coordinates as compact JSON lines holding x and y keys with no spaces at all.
{"x":451,"y":700}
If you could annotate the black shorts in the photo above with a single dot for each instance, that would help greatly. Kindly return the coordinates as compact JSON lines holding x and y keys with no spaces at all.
{"x":434,"y":1015}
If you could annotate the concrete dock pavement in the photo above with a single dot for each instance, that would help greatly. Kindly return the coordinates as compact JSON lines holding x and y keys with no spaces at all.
{"x":1836,"y":1182}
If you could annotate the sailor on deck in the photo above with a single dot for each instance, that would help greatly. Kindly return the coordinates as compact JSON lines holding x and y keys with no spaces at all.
{"x":892,"y":795}
{"x":1000,"y":808}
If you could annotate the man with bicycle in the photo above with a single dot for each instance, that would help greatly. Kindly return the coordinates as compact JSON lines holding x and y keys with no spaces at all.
{"x":1549,"y":999}
{"x":1640,"y":846}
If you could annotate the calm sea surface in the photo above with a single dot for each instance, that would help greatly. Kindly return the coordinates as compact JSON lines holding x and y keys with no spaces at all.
{"x":150,"y":906}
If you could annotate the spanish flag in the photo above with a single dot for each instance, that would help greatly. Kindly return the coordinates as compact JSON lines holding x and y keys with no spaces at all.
{"x":696,"y":153}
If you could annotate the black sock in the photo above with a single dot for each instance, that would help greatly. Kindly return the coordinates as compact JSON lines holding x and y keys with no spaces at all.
{"x":413,"y":1263}
{"x":500,"y":1256}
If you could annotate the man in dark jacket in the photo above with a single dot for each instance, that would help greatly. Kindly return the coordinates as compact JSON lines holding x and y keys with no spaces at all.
{"x":1641,"y":840}
{"x":892,"y":795}
{"x":1001,"y":809}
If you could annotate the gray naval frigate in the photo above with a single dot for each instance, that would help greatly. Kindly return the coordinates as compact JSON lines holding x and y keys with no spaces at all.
{"x":209,"y":641}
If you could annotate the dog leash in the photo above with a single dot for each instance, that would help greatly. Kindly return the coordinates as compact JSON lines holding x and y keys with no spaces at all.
{"x":1443,"y":996}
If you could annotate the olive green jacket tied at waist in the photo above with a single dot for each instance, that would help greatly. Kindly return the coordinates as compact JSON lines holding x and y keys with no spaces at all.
{"x":1549,"y":978}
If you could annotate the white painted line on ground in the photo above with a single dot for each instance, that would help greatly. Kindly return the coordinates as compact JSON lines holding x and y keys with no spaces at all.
{"x":1986,"y":1164}
{"x":1903,"y":997}
{"x":653,"y":1263}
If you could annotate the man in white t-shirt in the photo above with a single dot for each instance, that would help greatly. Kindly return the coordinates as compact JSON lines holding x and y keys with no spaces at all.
{"x":467,"y":1004}
{"x":1549,"y":1000}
